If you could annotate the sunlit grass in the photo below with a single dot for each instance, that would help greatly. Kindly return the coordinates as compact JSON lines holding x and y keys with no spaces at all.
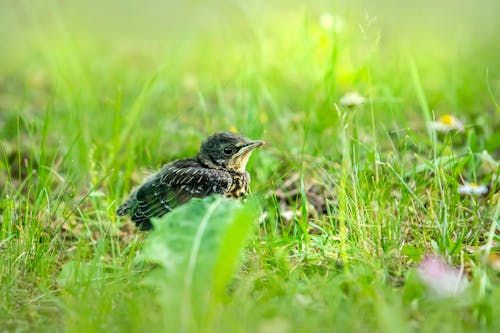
{"x":95,"y":96}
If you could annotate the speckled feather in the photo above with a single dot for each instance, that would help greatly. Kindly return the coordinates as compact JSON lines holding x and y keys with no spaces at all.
{"x":181,"y":180}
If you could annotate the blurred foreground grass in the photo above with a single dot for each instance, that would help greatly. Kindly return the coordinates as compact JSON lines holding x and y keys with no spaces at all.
{"x":352,"y":199}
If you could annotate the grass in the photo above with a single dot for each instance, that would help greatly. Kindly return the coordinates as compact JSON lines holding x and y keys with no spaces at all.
{"x":94,"y":96}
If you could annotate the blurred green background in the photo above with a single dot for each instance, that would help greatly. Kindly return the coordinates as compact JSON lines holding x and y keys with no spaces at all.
{"x":262,"y":68}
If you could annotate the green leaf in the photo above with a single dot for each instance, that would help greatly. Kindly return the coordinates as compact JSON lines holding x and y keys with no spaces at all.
{"x":196,"y":249}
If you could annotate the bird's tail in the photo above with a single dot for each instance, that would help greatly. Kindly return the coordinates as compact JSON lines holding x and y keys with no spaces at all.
{"x":128,"y":206}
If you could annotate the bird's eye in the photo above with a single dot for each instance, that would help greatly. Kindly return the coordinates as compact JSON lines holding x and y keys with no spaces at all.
{"x":228,"y":150}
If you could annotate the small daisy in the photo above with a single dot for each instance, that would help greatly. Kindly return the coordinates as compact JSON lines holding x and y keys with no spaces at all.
{"x":331,"y":22}
{"x":442,"y":279}
{"x":352,"y":99}
{"x":447,"y":123}
{"x":472,"y":189}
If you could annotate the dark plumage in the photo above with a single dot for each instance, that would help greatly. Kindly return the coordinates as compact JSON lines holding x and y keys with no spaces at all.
{"x":218,"y":168}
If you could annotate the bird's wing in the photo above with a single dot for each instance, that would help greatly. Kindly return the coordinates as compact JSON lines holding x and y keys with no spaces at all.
{"x":173,"y":186}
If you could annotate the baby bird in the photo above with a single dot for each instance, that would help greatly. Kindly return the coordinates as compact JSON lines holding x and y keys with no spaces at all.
{"x":218,"y":168}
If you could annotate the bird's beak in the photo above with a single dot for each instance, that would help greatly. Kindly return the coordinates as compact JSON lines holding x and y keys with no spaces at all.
{"x":249,"y":147}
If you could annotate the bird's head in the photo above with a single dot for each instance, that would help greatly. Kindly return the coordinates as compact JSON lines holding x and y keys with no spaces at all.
{"x":228,"y":151}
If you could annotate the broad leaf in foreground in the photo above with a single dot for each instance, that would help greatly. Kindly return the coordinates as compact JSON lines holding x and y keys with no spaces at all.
{"x":196,"y":249}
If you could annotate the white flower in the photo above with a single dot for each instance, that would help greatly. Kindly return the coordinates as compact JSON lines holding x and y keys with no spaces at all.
{"x":331,"y":22}
{"x":444,"y":280}
{"x":447,"y":123}
{"x":351,"y":99}
{"x":472,"y":189}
